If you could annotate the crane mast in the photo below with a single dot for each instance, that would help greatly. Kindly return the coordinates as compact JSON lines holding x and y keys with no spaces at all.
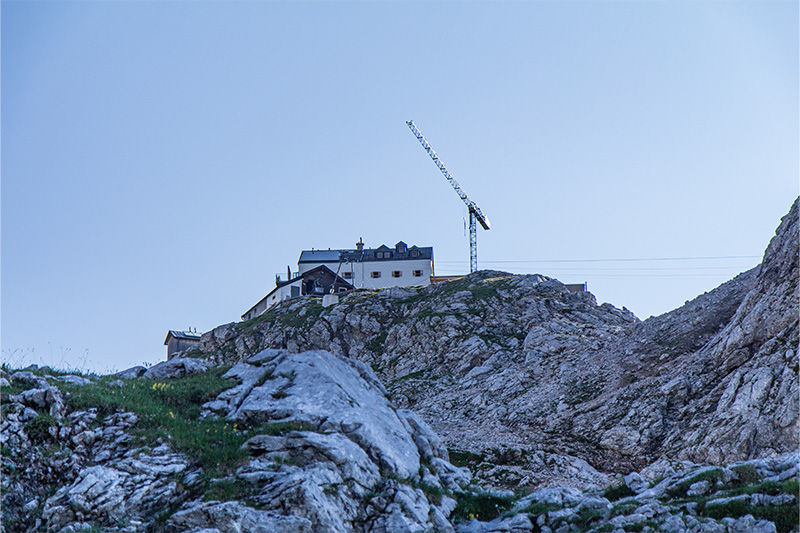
{"x":475,"y":214}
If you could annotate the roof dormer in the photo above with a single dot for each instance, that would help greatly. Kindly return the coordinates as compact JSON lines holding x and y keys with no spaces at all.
{"x":401,"y":247}
{"x":383,"y":252}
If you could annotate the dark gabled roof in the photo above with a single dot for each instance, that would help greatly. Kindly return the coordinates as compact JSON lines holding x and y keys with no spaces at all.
{"x":337,"y":279}
{"x":365,"y":255}
{"x":183,"y":335}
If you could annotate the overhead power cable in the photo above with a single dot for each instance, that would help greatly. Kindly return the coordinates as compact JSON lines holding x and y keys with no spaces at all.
{"x":627,"y":259}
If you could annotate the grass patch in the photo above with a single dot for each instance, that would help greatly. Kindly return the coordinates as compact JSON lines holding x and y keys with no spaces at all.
{"x":169,"y":412}
{"x":772,"y":488}
{"x":376,"y":345}
{"x":747,"y":474}
{"x":38,"y":429}
{"x":225,"y":490}
{"x":679,"y":490}
{"x":785,"y":517}
{"x":618,"y":492}
{"x":463,"y":458}
{"x":622,"y":509}
{"x":483,"y":506}
{"x":587,"y":517}
{"x":433,"y":493}
{"x":282,"y":428}
{"x":283,"y":316}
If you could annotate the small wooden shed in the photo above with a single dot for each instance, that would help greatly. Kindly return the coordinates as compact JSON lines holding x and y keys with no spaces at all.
{"x":179,"y":341}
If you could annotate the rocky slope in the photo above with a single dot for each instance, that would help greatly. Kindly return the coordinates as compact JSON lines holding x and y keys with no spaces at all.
{"x":326,"y":419}
{"x":293,"y":442}
{"x":285,"y":442}
{"x":536,"y":385}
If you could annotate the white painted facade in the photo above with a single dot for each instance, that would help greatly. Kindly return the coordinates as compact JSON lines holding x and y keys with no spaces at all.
{"x":360,"y":268}
{"x":412,"y":272}
{"x":278,"y":294}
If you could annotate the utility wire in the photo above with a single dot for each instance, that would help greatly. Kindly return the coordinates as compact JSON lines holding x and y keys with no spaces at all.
{"x":627,"y":259}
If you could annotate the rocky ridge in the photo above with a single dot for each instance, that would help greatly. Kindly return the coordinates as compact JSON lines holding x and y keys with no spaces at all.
{"x":322,"y":449}
{"x":610,"y":421}
{"x":535,"y":385}
{"x":314,"y":445}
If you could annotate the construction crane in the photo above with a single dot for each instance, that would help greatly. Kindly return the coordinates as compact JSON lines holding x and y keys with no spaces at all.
{"x":475,"y":214}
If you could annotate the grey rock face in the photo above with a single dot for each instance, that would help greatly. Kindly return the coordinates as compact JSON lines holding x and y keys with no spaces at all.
{"x":130,"y":489}
{"x":351,"y":445}
{"x":525,"y":375}
{"x":330,"y":453}
{"x":234,"y":517}
{"x":131,"y":373}
{"x":177,"y":367}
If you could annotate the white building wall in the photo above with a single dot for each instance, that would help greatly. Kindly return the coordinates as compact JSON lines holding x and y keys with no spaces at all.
{"x":284,"y":293}
{"x":362,"y":272}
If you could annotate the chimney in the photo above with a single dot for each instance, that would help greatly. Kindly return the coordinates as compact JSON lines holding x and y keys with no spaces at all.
{"x":360,"y":244}
{"x":288,"y":273}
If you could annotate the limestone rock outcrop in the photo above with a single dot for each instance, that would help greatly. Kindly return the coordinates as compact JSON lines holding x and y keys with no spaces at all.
{"x":315,"y":442}
{"x":537,"y":385}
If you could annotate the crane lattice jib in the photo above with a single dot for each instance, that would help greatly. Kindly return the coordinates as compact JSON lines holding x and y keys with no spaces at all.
{"x":472,"y":206}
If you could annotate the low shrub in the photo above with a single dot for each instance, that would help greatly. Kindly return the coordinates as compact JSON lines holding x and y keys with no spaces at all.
{"x":463,"y":458}
{"x":747,"y":474}
{"x":713,"y":475}
{"x":785,"y":517}
{"x":483,"y":506}
{"x":618,"y":492}
{"x":38,"y":429}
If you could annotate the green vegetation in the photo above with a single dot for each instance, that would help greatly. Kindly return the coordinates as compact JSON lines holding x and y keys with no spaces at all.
{"x":772,"y":488}
{"x":227,"y":489}
{"x":38,"y":429}
{"x":587,"y":517}
{"x":540,"y":508}
{"x":483,"y":506}
{"x":282,"y":428}
{"x":617,"y":492}
{"x":377,"y":342}
{"x":282,"y":315}
{"x":169,"y":411}
{"x":785,"y":517}
{"x":622,"y":509}
{"x":433,"y":493}
{"x":747,"y":473}
{"x":463,"y":458}
{"x":679,"y":490}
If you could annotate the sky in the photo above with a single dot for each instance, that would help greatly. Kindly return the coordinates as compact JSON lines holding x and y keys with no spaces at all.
{"x":161,"y":161}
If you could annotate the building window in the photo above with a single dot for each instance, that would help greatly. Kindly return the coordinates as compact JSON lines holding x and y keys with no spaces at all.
{"x":397,"y":274}
{"x":375,"y":274}
{"x":414,"y":253}
{"x":348,"y":275}
{"x":417,"y":273}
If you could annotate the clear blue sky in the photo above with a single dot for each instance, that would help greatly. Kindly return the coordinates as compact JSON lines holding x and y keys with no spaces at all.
{"x":162,"y":161}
